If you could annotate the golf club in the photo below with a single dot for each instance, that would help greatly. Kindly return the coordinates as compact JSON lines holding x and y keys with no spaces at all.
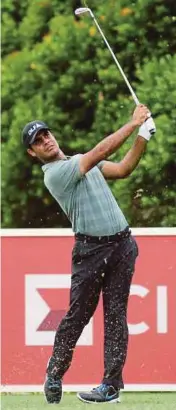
{"x":150,"y":123}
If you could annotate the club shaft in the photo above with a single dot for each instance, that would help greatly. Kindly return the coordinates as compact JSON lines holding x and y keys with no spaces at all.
{"x":116,"y":61}
{"x":150,"y":124}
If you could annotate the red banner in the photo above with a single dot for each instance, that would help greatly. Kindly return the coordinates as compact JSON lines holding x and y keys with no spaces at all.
{"x":35,"y":295}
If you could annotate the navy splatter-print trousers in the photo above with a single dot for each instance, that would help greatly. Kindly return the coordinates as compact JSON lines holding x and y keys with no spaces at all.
{"x":98,"y":264}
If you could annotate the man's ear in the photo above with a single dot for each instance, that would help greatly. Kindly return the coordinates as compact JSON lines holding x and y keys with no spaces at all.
{"x":31,"y":152}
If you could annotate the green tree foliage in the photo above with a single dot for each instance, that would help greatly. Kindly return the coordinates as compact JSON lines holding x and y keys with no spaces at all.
{"x":56,"y":68}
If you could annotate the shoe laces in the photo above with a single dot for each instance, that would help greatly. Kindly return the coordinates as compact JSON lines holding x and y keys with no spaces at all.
{"x":101,"y":388}
{"x":53,"y":382}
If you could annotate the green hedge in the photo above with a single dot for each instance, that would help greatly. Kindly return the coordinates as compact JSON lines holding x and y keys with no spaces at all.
{"x":56,"y":68}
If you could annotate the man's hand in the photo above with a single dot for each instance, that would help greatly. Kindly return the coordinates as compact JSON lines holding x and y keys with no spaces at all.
{"x":141,"y":113}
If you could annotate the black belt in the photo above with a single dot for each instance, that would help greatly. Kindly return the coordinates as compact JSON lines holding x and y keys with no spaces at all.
{"x":103,"y":239}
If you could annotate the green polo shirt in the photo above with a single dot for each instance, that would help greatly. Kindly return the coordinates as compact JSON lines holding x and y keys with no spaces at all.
{"x":86,"y":199}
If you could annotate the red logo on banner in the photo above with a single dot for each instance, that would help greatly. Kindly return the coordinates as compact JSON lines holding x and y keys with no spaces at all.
{"x":55,"y":315}
{"x":49,"y":295}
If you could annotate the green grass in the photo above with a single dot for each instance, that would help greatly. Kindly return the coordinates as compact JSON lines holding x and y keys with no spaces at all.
{"x":129,"y":401}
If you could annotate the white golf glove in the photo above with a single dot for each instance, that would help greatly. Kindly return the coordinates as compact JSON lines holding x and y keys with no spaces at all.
{"x":147,"y":129}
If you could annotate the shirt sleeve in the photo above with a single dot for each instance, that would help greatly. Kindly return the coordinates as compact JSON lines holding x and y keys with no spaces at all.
{"x":100,"y":164}
{"x":64,"y":175}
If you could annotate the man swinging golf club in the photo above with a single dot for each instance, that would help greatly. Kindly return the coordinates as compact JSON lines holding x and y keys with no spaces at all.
{"x":104,"y":254}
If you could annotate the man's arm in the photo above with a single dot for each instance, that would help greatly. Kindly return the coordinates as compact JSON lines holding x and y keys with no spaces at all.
{"x":110,"y":144}
{"x":122,"y":169}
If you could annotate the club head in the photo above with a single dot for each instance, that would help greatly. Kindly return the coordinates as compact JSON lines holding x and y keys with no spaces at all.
{"x":83,"y":10}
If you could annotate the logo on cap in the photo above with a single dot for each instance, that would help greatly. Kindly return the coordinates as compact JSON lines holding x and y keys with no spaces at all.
{"x":33,"y":128}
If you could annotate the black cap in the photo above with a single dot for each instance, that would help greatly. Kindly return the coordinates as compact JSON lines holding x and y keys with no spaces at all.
{"x":30,"y":131}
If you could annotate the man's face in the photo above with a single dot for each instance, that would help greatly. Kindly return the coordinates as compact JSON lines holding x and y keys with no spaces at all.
{"x":45,"y":146}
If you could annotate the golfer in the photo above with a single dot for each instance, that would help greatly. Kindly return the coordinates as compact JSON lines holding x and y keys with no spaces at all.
{"x":104,"y":254}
